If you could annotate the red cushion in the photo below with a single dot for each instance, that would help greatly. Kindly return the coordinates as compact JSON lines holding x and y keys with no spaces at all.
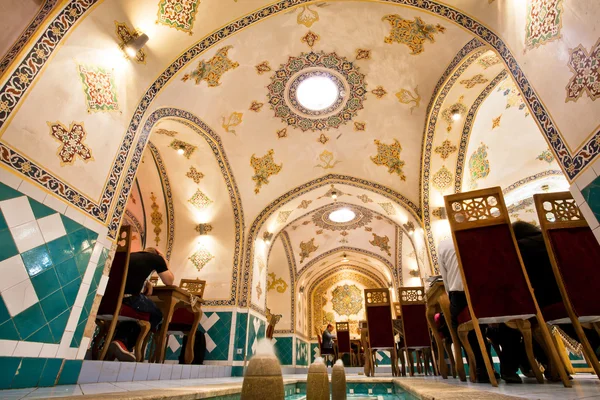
{"x":554,"y":311}
{"x":416,"y":329}
{"x":127,"y":311}
{"x":381,"y":330}
{"x":343,"y":341}
{"x":440,"y":322}
{"x":464,"y":316}
{"x":182,"y":316}
{"x":577,"y":253}
{"x":493,"y":273}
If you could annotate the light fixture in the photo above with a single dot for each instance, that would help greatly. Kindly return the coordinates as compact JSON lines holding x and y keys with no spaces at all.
{"x":410,"y":227}
{"x":267,"y":237}
{"x":317,"y":92}
{"x":204,"y":229}
{"x":334,"y":194}
{"x":344,"y":258}
{"x":414,"y":273}
{"x":440,"y":213}
{"x":181,"y":150}
{"x":135,"y":44}
{"x":455,"y":112}
{"x":342,"y":215}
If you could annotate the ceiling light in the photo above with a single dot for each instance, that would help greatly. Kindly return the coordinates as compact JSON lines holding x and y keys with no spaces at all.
{"x":344,"y":258}
{"x":180,"y":151}
{"x":317,"y":92}
{"x":342,"y":215}
{"x":203,"y":229}
{"x":135,"y":44}
{"x":456,"y":116}
{"x":267,"y":237}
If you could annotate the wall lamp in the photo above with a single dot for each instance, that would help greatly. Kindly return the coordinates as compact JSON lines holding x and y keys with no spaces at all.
{"x":135,"y":44}
{"x":204,"y":229}
{"x":440,"y":213}
{"x":410,"y":227}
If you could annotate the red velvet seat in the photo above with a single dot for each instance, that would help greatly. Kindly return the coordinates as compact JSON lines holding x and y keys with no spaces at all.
{"x":575,"y":257}
{"x":415,"y":326}
{"x":378,"y":309}
{"x":127,"y":311}
{"x":496,"y":283}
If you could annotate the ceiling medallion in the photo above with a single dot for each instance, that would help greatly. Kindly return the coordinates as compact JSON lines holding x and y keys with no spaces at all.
{"x":284,"y":87}
{"x":362,"y":216}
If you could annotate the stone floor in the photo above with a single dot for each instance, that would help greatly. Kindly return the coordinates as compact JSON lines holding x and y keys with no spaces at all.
{"x":585,"y":386}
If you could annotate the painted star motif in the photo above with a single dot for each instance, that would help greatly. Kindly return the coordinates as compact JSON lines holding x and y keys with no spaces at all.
{"x":310,"y":39}
{"x":263,"y":67}
{"x":362,"y":54}
{"x":445,"y":149}
{"x":360,"y":126}
{"x":323,"y":139}
{"x":71,"y":142}
{"x":256,"y":106}
{"x":379,"y":91}
{"x":496,"y":122}
{"x":282,"y":133}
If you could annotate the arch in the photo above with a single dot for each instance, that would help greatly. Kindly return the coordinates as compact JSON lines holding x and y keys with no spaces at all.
{"x":322,"y":279}
{"x":214,"y":141}
{"x":528,"y":179}
{"x":246,"y":278}
{"x":289,"y":254}
{"x":133,"y":221}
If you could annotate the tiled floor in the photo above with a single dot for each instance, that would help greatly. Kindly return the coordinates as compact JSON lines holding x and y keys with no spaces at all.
{"x":585,"y":386}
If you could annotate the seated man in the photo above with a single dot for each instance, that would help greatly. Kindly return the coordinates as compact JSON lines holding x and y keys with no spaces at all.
{"x":328,"y":343}
{"x":539,"y":269}
{"x":458,"y":301}
{"x":141,"y":265}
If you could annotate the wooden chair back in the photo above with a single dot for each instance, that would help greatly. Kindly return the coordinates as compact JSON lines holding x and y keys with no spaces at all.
{"x":574,"y":252}
{"x":113,"y":295}
{"x":343,"y":337}
{"x":414,"y":320}
{"x":193,"y":286}
{"x":488,"y":257}
{"x":379,"y":318}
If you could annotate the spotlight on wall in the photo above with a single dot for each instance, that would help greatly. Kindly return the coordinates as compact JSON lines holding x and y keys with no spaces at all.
{"x":410,"y":227}
{"x":301,"y":290}
{"x":134,"y":44}
{"x":203,"y":229}
{"x":440,"y":213}
{"x":455,"y":112}
{"x":267,"y":237}
{"x":414,"y":273}
{"x":334,"y":194}
{"x":181,"y":150}
{"x":345,"y":258}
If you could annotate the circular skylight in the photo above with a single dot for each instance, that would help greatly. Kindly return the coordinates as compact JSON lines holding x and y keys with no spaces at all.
{"x":342,"y":215}
{"x":317,"y":93}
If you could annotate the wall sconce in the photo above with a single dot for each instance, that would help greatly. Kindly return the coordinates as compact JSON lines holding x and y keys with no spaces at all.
{"x":204,"y":229}
{"x":301,"y":290}
{"x":410,"y":227}
{"x":414,"y":273}
{"x":181,"y":150}
{"x":440,"y":213}
{"x":135,"y":44}
{"x":267,"y":237}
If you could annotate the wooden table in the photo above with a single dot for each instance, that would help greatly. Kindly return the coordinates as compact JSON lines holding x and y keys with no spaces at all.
{"x":168,"y":298}
{"x":438,"y":301}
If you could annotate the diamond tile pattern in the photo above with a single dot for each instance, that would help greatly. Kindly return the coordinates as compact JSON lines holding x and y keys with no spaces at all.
{"x":257,"y":331}
{"x":302,"y":352}
{"x":241,"y":327}
{"x":591,"y":194}
{"x":43,"y":256}
{"x":29,"y":372}
{"x":217,"y":329}
{"x":283,"y":349}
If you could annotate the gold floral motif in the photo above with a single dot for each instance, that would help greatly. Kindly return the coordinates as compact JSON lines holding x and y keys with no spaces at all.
{"x":71,"y":140}
{"x":233,"y":120}
{"x":307,"y":17}
{"x":479,"y":165}
{"x":283,"y":216}
{"x":256,"y":106}
{"x":389,"y":155}
{"x":166,"y":132}
{"x":274,"y":283}
{"x":201,"y":257}
{"x":282,"y":133}
{"x":212,"y":70}
{"x":388,"y":208}
{"x":178,"y":14}
{"x":323,"y":139}
{"x":306,"y":248}
{"x":488,"y":61}
{"x":379,"y":92}
{"x":364,"y":198}
{"x":258,"y":290}
{"x":472,"y":82}
{"x":382,"y":242}
{"x":304,"y":204}
{"x":445,"y":149}
{"x":449,"y":112}
{"x":496,"y":122}
{"x":264,"y":167}
{"x":310,"y":39}
{"x":156,"y":218}
{"x":359,"y":126}
{"x":411,"y":33}
{"x":263,"y":67}
{"x":406,"y":97}
{"x":326,"y":159}
{"x":362,"y":54}
{"x":194,"y":175}
{"x":442,"y":179}
{"x":200,"y":200}
{"x":188,"y":149}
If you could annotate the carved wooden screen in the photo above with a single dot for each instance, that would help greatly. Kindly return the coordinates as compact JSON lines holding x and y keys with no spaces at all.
{"x":193,"y":286}
{"x":414,"y":321}
{"x":379,"y":318}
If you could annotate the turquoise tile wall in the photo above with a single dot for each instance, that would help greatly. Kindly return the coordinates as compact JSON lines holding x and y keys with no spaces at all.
{"x":383,"y":358}
{"x":54,"y":266}
{"x":217,"y":329}
{"x":591,"y":194}
{"x":302,"y":352}
{"x":314,"y":349}
{"x":241,"y":328}
{"x":18,"y":373}
{"x":257,"y":330}
{"x":284,"y":350}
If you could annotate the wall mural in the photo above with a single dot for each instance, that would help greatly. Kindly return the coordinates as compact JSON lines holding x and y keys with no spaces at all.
{"x":347,"y":300}
{"x":264,"y":167}
{"x":275,"y":283}
{"x":306,"y":248}
{"x":99,"y":88}
{"x":71,"y":140}
{"x":383,"y":242}
{"x":388,"y":155}
{"x":178,"y":14}
{"x":586,"y":73}
{"x":212,"y":70}
{"x":544,"y":21}
{"x":414,"y":34}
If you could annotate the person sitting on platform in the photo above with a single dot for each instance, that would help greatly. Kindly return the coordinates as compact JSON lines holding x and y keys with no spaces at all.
{"x":137,"y":289}
{"x":450,"y":272}
{"x":539,"y":269}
